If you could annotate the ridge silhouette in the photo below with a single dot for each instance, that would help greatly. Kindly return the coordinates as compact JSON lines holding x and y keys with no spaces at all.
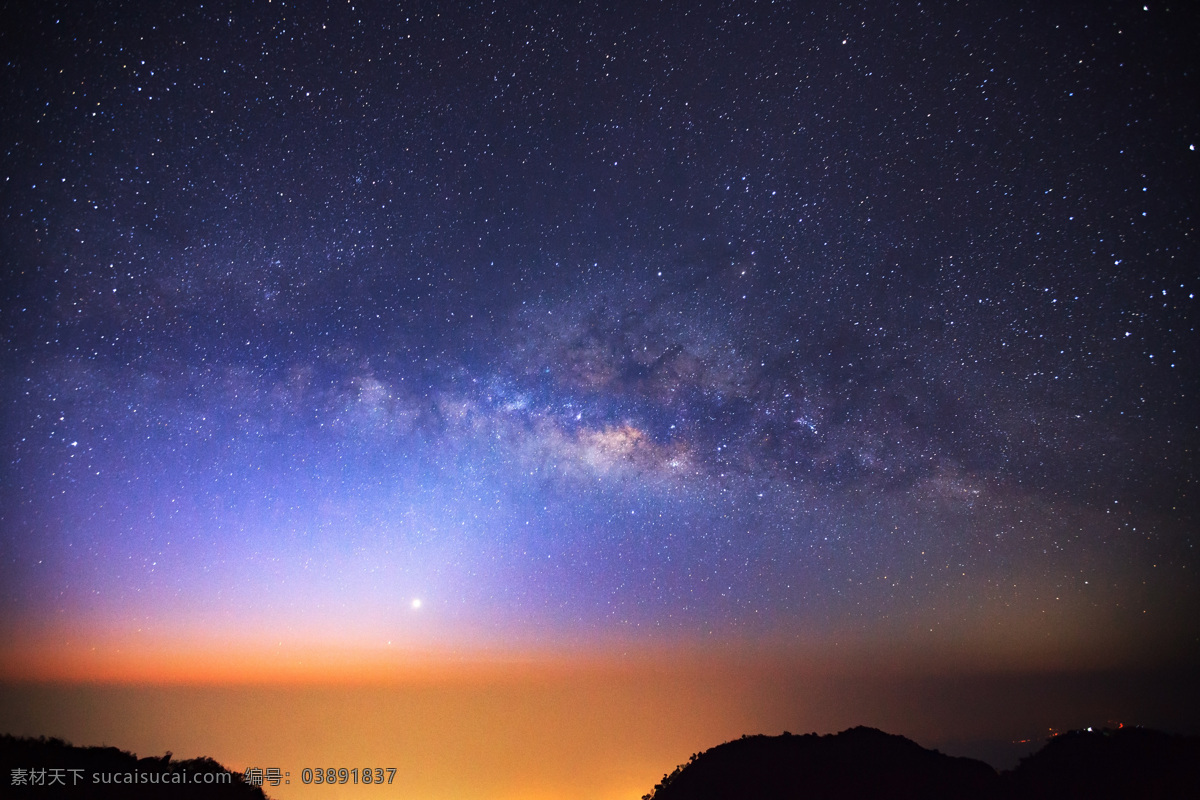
{"x":861,"y":762}
{"x":1129,"y":764}
{"x":29,"y":754}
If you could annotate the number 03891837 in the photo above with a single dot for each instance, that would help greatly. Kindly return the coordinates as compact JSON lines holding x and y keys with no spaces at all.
{"x":336,"y":775}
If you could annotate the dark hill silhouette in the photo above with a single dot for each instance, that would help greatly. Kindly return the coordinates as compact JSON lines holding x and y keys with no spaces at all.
{"x":1130,"y":764}
{"x":31,"y":766}
{"x":857,"y":763}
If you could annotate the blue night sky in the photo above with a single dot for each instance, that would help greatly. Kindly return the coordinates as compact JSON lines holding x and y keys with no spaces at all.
{"x":550,"y":327}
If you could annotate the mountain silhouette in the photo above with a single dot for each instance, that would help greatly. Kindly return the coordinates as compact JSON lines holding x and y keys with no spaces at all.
{"x":36,"y":767}
{"x":1129,"y":763}
{"x":857,"y":763}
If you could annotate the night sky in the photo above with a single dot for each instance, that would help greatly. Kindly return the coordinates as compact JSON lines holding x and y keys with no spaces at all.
{"x":558,"y":328}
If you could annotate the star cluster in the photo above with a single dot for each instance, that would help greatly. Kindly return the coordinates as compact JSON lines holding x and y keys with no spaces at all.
{"x":517,"y":323}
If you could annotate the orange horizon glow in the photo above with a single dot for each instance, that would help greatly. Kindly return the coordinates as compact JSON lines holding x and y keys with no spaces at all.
{"x":499,"y":730}
{"x":76,"y":657}
{"x":598,"y":722}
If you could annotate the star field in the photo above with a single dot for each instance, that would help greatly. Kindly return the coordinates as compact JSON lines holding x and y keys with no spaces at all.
{"x":557,"y":326}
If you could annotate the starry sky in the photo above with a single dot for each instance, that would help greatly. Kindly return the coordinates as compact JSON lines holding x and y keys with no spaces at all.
{"x":547,"y":328}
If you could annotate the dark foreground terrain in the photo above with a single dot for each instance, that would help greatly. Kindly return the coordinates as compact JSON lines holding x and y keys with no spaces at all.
{"x":1130,"y":764}
{"x":36,"y":768}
